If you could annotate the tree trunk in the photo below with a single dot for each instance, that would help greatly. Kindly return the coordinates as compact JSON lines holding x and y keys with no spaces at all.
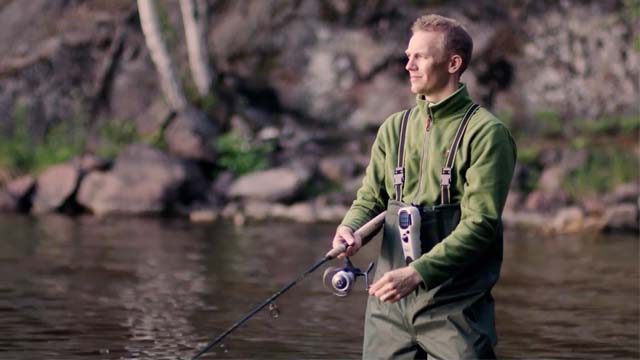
{"x":160,"y":55}
{"x":194,"y":16}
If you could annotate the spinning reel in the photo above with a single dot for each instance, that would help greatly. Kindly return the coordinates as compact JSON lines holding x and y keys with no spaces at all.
{"x":340,"y":280}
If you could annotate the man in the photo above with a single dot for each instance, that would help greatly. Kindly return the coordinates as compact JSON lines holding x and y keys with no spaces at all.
{"x":440,"y":305}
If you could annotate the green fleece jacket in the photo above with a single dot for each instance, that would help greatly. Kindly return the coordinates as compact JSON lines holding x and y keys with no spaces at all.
{"x":482,"y":174}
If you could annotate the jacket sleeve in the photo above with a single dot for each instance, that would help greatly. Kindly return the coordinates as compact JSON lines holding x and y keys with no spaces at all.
{"x":488,"y":177}
{"x":371,"y":198}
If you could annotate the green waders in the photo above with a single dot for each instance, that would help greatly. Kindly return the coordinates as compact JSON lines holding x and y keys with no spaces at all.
{"x":454,"y":320}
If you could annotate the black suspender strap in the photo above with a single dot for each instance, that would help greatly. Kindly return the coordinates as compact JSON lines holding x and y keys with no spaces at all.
{"x":445,"y":177}
{"x":398,"y":173}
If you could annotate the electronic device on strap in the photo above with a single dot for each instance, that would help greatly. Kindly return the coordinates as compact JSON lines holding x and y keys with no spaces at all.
{"x":409,"y":226}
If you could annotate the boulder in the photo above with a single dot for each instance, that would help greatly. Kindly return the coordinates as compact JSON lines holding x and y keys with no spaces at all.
{"x":385,"y":95}
{"x":330,"y":213}
{"x":7,"y":202}
{"x":567,"y":220}
{"x":303,"y":212}
{"x":259,"y":210}
{"x":89,"y":162}
{"x":150,"y":123}
{"x":623,"y":217}
{"x":545,"y":201}
{"x":552,"y":177}
{"x":526,"y":219}
{"x":222,"y":183}
{"x":203,"y":215}
{"x":192,"y":135}
{"x":20,"y":192}
{"x":629,"y":192}
{"x":279,"y":184}
{"x":338,"y":169}
{"x":144,"y":180}
{"x":514,"y":200}
{"x":55,"y":187}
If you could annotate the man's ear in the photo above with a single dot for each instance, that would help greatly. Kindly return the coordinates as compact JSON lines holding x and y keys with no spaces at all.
{"x":455,"y":63}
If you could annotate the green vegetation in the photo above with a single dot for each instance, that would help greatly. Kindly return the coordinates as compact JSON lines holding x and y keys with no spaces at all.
{"x":114,"y":136}
{"x":316,"y":188}
{"x":605,"y":168}
{"x":528,"y":155}
{"x":237,"y":154}
{"x":205,"y":103}
{"x":609,"y":125}
{"x":23,"y":152}
{"x":631,"y":9}
{"x":550,"y":122}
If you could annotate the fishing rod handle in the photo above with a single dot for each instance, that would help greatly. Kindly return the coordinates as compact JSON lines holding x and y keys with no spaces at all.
{"x":372,"y":226}
{"x":364,"y":231}
{"x":336,"y":251}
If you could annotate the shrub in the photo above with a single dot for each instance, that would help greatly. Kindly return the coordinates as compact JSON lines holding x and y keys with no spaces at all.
{"x":238,"y":155}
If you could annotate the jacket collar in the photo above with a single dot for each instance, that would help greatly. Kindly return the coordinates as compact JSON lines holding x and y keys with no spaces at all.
{"x":454,"y":103}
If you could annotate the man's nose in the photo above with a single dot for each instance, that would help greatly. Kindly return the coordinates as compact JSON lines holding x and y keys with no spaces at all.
{"x":411,"y":65}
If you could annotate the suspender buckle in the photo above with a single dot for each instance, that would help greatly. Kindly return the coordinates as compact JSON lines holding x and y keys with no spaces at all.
{"x":398,"y":176}
{"x":445,"y":177}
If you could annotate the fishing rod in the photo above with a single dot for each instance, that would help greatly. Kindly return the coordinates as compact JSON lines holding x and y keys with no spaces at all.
{"x":367,"y":230}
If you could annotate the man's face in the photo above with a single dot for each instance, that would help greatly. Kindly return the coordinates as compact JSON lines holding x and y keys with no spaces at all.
{"x":427,"y":62}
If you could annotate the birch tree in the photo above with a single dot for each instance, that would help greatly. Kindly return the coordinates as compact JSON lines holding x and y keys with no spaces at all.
{"x":194,"y":17}
{"x":169,"y":80}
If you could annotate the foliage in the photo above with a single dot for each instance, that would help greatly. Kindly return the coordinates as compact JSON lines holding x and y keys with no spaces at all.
{"x":237,"y":154}
{"x":550,"y":122}
{"x":315,"y":188}
{"x":609,"y":125}
{"x":25,"y":153}
{"x":528,"y":155}
{"x":115,"y":135}
{"x":631,"y":9}
{"x":605,"y":168}
{"x":205,"y":103}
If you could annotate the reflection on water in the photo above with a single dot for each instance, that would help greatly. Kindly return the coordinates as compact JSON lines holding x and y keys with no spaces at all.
{"x":161,"y":289}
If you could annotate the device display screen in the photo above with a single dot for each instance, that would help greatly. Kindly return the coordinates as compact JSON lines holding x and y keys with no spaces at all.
{"x":404,"y":219}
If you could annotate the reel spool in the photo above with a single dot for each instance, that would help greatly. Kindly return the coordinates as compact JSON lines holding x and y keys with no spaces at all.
{"x":340,"y":280}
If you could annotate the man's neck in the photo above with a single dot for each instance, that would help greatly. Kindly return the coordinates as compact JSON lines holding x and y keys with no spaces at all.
{"x":444,"y":92}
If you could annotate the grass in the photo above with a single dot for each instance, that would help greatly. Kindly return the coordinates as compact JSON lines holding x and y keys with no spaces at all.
{"x":240,"y":156}
{"x":24,"y":153}
{"x":21,"y":151}
{"x":608,"y":125}
{"x":605,"y":168}
{"x":115,"y":135}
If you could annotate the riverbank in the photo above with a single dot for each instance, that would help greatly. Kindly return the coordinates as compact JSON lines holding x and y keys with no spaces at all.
{"x":556,"y":190}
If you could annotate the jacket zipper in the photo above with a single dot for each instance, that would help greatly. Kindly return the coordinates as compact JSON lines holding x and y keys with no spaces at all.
{"x":425,"y":143}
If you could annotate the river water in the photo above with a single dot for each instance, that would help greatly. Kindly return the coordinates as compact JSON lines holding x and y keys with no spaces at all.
{"x":129,"y":288}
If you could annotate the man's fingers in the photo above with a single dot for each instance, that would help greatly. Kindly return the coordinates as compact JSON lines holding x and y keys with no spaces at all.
{"x":349,"y":238}
{"x":378,"y":285}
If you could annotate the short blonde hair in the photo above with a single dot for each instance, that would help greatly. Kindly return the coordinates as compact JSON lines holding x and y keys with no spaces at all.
{"x":457,"y":40}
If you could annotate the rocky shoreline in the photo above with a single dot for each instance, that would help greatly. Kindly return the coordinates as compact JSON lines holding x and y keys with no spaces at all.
{"x":145,"y":181}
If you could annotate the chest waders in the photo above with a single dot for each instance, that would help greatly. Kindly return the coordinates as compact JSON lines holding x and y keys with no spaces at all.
{"x":454,"y":320}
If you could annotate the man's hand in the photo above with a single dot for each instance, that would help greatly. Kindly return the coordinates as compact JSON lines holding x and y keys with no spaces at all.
{"x":344,"y":235}
{"x":395,"y":284}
